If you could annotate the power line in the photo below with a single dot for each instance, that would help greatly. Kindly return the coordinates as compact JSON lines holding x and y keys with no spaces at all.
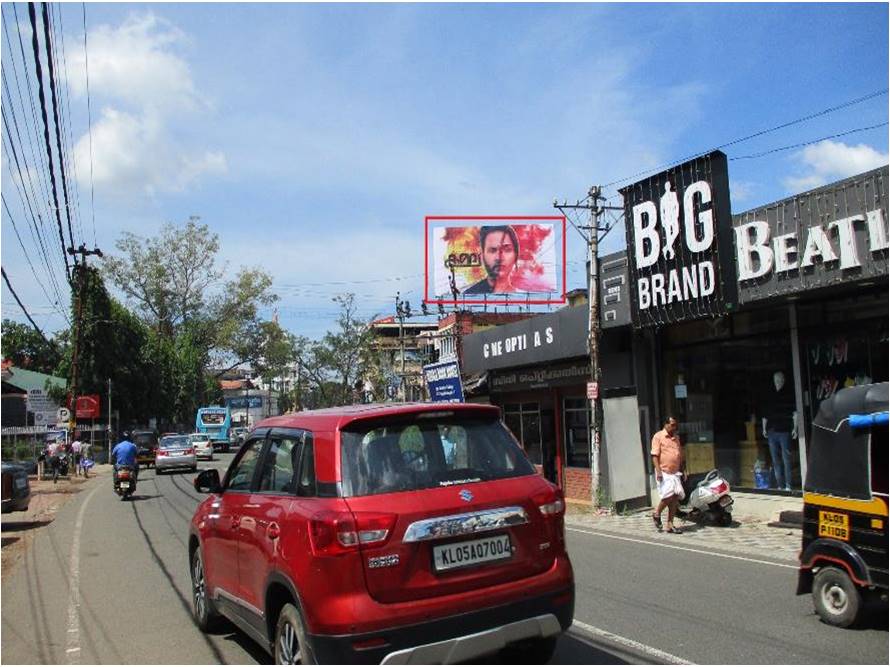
{"x":66,"y":118}
{"x":49,"y":155}
{"x":803,"y":119}
{"x":86,"y":66}
{"x":25,"y":252}
{"x":52,"y":87}
{"x":22,"y":306}
{"x":808,"y":143}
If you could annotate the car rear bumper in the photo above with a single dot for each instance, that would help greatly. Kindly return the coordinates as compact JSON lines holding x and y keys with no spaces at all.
{"x":17,"y":504}
{"x":456,"y":638}
{"x":164,"y":462}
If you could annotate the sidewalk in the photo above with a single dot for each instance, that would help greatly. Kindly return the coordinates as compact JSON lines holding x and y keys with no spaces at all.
{"x":20,"y":528}
{"x":749,"y":534}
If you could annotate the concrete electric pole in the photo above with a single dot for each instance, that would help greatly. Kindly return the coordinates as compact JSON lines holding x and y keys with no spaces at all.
{"x":591,"y":234}
{"x":78,"y":325}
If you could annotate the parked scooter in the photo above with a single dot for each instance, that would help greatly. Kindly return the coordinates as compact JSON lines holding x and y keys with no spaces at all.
{"x":124,"y":482}
{"x":707,"y":499}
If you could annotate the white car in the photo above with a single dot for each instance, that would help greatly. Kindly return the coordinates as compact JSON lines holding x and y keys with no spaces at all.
{"x":203,"y":446}
{"x":175,"y":451}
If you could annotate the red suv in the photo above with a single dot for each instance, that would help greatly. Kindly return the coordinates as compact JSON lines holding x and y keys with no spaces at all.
{"x":394,"y":534}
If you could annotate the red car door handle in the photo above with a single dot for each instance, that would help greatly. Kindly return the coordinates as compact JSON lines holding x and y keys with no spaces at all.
{"x":273,"y":531}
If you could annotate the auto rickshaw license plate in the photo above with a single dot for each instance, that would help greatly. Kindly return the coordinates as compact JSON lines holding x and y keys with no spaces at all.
{"x":834,"y":524}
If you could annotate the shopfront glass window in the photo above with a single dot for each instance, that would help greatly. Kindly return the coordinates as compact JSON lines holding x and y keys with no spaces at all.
{"x":524,"y":420}
{"x":720,"y":393}
{"x":577,"y":435}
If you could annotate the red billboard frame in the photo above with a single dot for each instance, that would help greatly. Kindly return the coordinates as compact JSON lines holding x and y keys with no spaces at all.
{"x":491,"y":302}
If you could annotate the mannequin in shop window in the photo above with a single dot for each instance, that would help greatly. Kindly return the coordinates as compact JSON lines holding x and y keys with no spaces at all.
{"x":780,"y":427}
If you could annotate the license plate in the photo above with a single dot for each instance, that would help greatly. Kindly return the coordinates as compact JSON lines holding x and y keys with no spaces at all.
{"x":724,"y":501}
{"x":125,"y":485}
{"x":834,"y":524}
{"x":471,"y":552}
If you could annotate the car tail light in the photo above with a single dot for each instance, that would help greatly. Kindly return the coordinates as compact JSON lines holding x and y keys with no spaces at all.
{"x":162,"y":452}
{"x":189,"y":451}
{"x":549,"y":503}
{"x":335,"y":533}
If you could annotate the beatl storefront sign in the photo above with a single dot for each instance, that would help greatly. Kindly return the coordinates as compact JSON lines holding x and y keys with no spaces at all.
{"x":559,"y":335}
{"x":679,"y":228}
{"x":831,"y":235}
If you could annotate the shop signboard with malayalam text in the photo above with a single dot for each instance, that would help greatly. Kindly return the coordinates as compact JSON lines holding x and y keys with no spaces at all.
{"x":443,"y":382}
{"x":827,"y":236}
{"x":87,"y":407}
{"x":680,"y":243}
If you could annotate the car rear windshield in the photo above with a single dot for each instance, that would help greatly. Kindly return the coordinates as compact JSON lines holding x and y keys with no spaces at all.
{"x":426,"y":452}
{"x":174,"y":441}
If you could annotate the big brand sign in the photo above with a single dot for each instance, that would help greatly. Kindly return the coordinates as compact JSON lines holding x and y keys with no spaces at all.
{"x":679,"y":226}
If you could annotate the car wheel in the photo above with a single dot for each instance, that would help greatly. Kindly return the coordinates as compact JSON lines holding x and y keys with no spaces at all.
{"x":291,"y":646}
{"x":837,"y":599}
{"x":203,"y":610}
{"x":531,"y":652}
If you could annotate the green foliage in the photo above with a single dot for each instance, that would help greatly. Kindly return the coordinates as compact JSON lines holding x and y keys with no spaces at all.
{"x":27,"y":349}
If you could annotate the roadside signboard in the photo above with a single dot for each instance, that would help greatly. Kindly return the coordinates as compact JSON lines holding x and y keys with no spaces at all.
{"x":443,"y":382}
{"x":42,"y":407}
{"x":87,"y":407}
{"x":593,"y":390}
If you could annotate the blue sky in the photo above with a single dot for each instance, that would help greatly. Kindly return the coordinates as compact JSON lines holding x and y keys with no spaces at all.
{"x":315,"y":138}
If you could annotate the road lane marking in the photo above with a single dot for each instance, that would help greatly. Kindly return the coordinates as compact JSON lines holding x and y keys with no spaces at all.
{"x":658,"y":654}
{"x":73,"y":644}
{"x":679,"y":548}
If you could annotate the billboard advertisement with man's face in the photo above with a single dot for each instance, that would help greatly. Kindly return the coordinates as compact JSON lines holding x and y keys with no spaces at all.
{"x":495,"y":260}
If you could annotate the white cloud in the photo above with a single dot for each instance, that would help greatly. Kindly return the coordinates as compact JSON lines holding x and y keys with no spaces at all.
{"x":135,"y":63}
{"x":138,"y":145}
{"x":830,"y":161}
{"x":133,"y":152}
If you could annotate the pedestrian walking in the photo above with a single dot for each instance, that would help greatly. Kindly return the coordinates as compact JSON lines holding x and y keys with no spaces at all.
{"x":52,"y":456}
{"x":86,"y":459}
{"x":669,"y":464}
{"x":76,"y":451}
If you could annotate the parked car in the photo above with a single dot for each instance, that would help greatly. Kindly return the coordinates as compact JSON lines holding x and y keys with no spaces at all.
{"x":408,"y":533}
{"x":16,"y":488}
{"x":203,"y":446}
{"x":176,"y":451}
{"x":146,"y":445}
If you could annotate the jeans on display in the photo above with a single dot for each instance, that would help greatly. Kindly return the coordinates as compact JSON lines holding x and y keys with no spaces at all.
{"x":780,"y":451}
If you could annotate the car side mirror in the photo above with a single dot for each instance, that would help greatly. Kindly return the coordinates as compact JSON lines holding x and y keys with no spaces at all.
{"x":207,"y":481}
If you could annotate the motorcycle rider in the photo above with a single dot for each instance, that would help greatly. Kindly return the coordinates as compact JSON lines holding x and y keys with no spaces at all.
{"x":124,"y":454}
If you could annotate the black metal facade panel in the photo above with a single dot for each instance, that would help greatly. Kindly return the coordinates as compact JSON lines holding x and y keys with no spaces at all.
{"x":559,"y":335}
{"x":828,"y":236}
{"x":679,"y":229}
{"x":614,"y":290}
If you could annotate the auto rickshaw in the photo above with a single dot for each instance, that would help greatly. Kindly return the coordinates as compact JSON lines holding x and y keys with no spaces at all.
{"x":843,"y":558}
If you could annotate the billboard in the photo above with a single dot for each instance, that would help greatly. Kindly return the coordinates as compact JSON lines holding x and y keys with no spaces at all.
{"x":443,"y":382}
{"x":680,"y":243}
{"x":495,"y":260}
{"x":242,"y":402}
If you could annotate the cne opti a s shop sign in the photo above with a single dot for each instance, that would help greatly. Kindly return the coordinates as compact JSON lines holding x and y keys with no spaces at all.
{"x":679,"y":229}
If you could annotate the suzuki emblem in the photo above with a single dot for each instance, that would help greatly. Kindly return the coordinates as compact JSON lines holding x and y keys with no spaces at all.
{"x":466,"y":496}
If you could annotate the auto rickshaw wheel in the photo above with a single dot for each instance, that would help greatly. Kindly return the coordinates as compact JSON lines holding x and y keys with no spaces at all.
{"x":838,"y":601}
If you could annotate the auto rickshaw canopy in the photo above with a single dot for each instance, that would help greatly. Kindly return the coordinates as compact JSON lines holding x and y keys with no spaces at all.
{"x":840,"y":462}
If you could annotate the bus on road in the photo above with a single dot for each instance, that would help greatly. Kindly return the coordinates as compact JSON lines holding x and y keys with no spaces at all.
{"x":215,"y":422}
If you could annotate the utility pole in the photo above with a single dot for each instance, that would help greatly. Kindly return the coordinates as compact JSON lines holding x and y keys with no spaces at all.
{"x":592,"y":236}
{"x":78,"y":325}
{"x":403,"y":311}
{"x":109,"y":422}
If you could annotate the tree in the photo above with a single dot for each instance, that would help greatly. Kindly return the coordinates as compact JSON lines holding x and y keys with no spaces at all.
{"x":28,"y":349}
{"x":331,"y":371}
{"x":169,"y":280}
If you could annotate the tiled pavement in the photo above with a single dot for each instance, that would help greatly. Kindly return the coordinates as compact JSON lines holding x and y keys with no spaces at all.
{"x":748,"y":536}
